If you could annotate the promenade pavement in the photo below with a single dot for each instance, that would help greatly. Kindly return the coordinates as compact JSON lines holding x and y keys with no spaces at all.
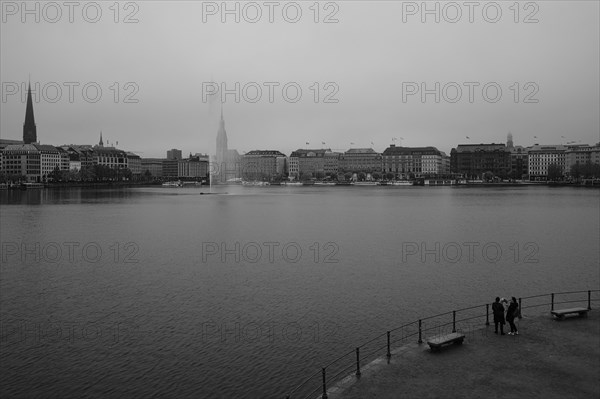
{"x":548,"y":359}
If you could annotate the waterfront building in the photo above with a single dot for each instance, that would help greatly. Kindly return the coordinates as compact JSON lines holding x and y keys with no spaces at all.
{"x":34,"y":161}
{"x":582,"y":154}
{"x":3,"y":144}
{"x":170,"y":168}
{"x":474,"y":160}
{"x":22,"y":160}
{"x":192,"y":168}
{"x":540,"y":157}
{"x":262,"y":165}
{"x":64,"y":158}
{"x":74,"y":162}
{"x":519,"y":163}
{"x":409,"y":162}
{"x":331,"y":166}
{"x":110,"y":157}
{"x":306,"y":164}
{"x":152,"y":165}
{"x":293,"y":166}
{"x":445,"y":165}
{"x":357,"y":160}
{"x":50,"y":159}
{"x":518,"y":159}
{"x":81,"y":157}
{"x":134,"y":164}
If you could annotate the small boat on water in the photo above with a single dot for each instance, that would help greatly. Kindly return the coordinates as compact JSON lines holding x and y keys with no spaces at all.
{"x":366,"y":183}
{"x":402,"y":183}
{"x":177,"y":183}
{"x":256,"y":183}
{"x":31,"y":186}
{"x":325,"y":183}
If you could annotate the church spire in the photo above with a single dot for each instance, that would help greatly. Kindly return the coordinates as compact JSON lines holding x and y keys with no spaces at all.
{"x":101,"y":143}
{"x":29,"y":128}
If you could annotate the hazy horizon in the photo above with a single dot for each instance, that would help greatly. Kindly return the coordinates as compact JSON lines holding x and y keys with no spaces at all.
{"x":368,"y":61}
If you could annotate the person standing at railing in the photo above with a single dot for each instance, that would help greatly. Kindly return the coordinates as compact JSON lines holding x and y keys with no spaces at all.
{"x":511,"y":313}
{"x":498,"y":310}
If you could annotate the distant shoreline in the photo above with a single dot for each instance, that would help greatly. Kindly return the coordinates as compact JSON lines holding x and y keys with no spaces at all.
{"x":110,"y":185}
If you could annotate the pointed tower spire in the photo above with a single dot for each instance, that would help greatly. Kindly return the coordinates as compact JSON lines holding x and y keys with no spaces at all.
{"x":29,"y":128}
{"x":221,"y":155}
{"x":101,"y":143}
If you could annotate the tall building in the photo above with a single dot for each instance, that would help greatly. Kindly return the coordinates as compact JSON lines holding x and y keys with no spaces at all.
{"x":29,"y":128}
{"x":227,"y":162}
{"x":221,"y":153}
{"x":174,"y":154}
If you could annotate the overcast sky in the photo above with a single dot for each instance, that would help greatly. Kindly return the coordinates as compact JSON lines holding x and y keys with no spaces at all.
{"x":372,"y":61}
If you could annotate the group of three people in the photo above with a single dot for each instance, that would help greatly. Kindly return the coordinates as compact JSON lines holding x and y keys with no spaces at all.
{"x":511,"y":313}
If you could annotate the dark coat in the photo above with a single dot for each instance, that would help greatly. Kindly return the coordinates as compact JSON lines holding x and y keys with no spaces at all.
{"x":498,"y":310}
{"x":512,"y":311}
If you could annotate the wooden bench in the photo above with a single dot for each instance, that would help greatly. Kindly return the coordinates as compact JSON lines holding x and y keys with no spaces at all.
{"x":441,"y":340}
{"x":561,"y":313}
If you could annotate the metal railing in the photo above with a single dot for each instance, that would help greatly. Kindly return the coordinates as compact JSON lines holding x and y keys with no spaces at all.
{"x":374,"y":347}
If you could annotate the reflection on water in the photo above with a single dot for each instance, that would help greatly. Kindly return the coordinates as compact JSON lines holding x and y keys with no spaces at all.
{"x":165,"y":292}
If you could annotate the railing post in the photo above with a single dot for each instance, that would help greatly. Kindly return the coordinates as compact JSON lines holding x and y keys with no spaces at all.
{"x":389,"y":354}
{"x":454,"y":321}
{"x":520,"y":307}
{"x":552,"y":301}
{"x":589,"y":300}
{"x":324,"y":396}
{"x":358,"y":362}
{"x":487,"y":314}
{"x":420,"y":339}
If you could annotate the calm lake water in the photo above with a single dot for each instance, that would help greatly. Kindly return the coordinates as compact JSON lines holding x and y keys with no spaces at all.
{"x":163,"y":292}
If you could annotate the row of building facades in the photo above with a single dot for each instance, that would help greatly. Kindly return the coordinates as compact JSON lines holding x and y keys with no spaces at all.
{"x":36,"y":162}
{"x":470,"y":161}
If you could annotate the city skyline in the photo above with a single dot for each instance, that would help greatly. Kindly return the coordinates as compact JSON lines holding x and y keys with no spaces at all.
{"x":222,"y":152}
{"x":369,"y":71}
